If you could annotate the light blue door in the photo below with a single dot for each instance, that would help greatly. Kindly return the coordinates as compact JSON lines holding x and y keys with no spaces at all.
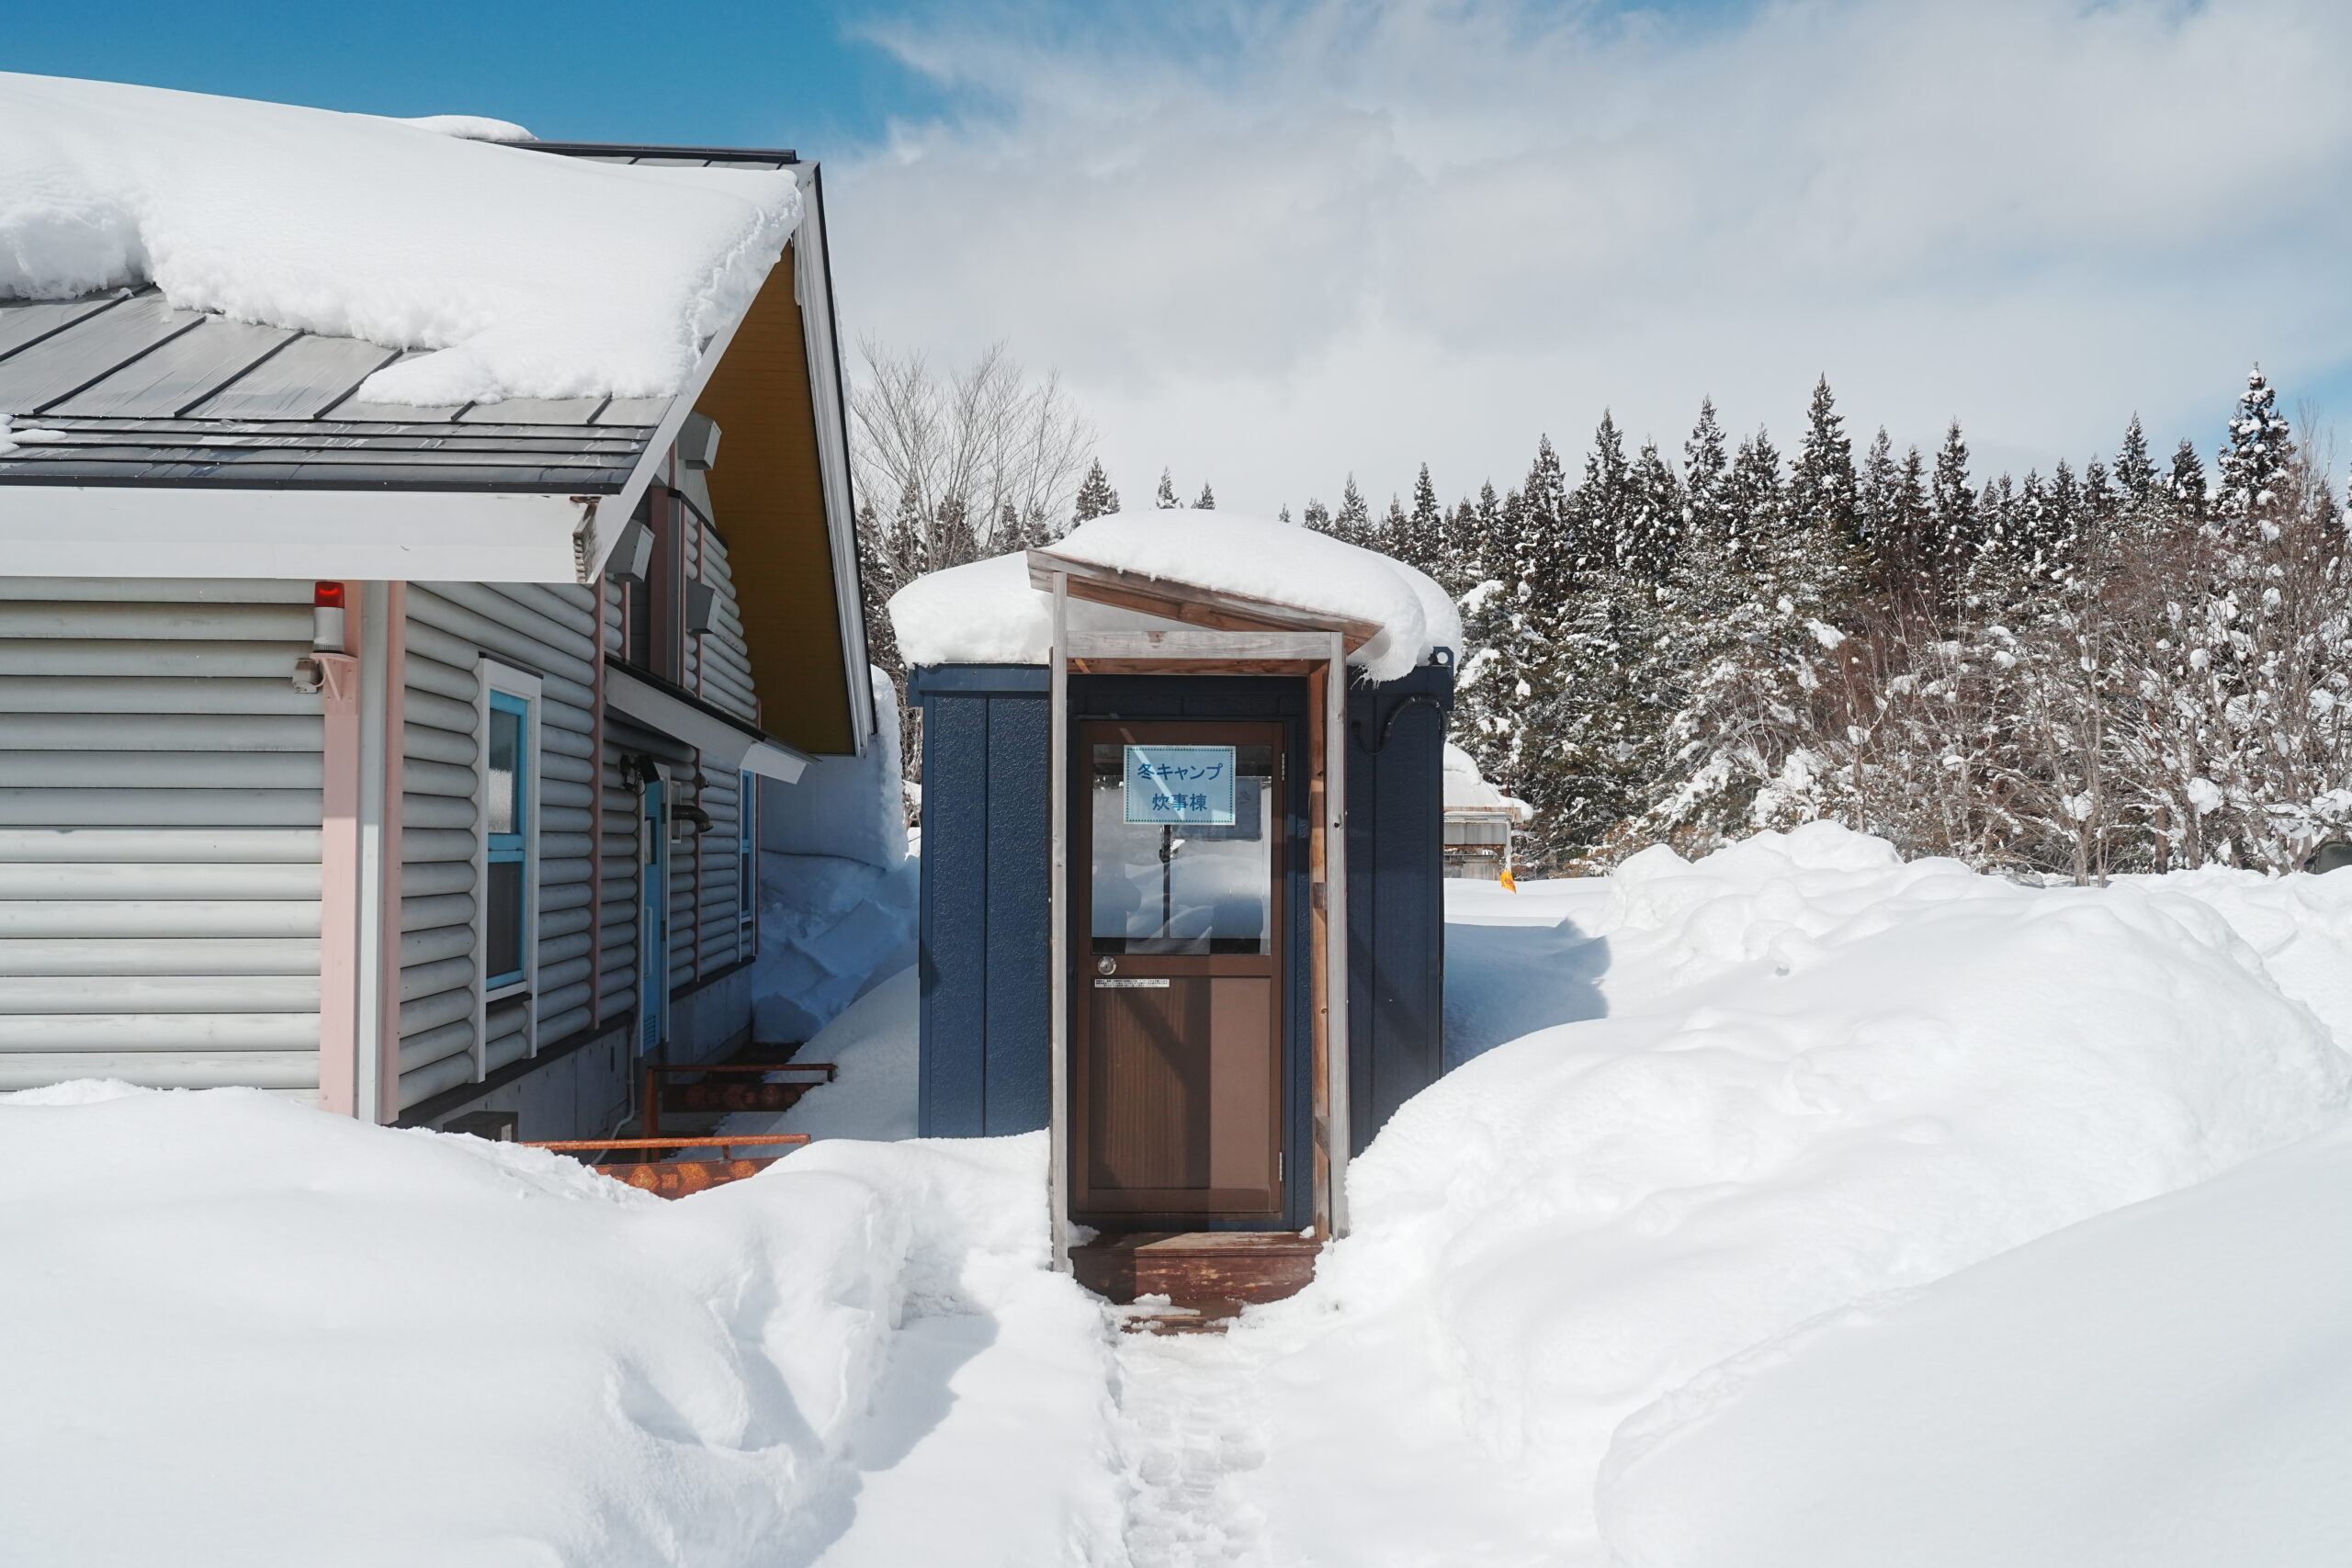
{"x":654,"y":919}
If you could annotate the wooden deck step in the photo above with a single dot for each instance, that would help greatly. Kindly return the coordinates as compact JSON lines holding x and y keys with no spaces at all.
{"x":1207,"y":1277}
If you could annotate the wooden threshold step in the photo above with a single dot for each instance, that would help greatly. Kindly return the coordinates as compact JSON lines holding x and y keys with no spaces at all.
{"x":1212,"y":1273}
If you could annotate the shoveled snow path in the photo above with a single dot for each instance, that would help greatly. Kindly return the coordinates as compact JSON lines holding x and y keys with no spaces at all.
{"x":1191,"y":1425}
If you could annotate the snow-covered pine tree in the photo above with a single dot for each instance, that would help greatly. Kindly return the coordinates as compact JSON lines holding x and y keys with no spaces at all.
{"x":1543,"y":551}
{"x":1317,"y":516}
{"x":1284,"y":515}
{"x":2027,"y":538}
{"x":1208,"y":499}
{"x":1352,"y":522}
{"x":1952,"y":511}
{"x":1420,"y":543}
{"x":1096,"y":496}
{"x":1493,"y":685}
{"x":2135,"y":470}
{"x":1457,"y":551}
{"x":2062,"y":522}
{"x":1706,"y":476}
{"x":1599,"y":511}
{"x":1821,"y":482}
{"x":1390,"y":540}
{"x":1165,"y":497}
{"x":1894,"y":553}
{"x":2252,"y":476}
{"x":1653,"y":531}
{"x":2101,"y":505}
{"x":1912,"y":521}
{"x":2185,"y":493}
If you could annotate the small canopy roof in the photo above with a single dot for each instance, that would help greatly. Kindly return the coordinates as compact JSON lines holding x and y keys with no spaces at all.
{"x":1212,"y":568}
{"x":1468,"y":792}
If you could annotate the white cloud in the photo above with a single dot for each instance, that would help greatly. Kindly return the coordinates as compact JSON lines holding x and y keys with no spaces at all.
{"x":1352,"y":236}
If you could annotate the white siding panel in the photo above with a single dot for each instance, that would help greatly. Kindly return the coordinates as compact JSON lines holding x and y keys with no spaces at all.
{"x":550,"y":632}
{"x":159,"y":832}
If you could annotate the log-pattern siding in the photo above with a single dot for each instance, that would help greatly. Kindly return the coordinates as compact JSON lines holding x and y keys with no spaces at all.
{"x":158,"y":834}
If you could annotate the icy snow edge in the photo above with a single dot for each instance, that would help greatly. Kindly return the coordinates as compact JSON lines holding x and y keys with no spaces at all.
{"x":533,"y":276}
{"x":986,"y":612}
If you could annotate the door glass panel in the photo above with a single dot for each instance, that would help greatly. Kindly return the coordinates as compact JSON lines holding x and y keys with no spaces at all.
{"x":1185,"y":887}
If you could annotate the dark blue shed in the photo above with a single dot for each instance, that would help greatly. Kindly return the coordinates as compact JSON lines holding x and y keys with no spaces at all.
{"x":987,"y":945}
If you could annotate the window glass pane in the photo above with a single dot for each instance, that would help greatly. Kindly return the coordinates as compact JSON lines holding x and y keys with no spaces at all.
{"x":505,"y":921}
{"x":505,"y":793}
{"x":1184,"y":887}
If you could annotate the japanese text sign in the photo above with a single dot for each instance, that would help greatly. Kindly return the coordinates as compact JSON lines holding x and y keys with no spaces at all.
{"x":1180,"y":785}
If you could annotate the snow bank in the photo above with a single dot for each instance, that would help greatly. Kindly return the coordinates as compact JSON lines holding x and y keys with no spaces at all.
{"x":243,"y":1332}
{"x":2165,"y":1385}
{"x":986,"y":612}
{"x":1821,"y":1074}
{"x":837,"y":885}
{"x":533,"y":276}
{"x":830,"y":930}
{"x":852,"y":807}
{"x":876,"y":1044}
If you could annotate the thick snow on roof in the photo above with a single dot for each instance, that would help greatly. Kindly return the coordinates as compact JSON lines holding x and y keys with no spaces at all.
{"x":986,"y":613}
{"x":1466,"y":788}
{"x":533,"y":276}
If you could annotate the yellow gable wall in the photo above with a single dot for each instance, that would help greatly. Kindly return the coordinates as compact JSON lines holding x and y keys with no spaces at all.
{"x":769,"y":498}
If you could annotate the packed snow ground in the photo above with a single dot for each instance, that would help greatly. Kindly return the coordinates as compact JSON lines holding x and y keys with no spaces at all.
{"x":1794,"y":1207}
{"x":532,"y":276}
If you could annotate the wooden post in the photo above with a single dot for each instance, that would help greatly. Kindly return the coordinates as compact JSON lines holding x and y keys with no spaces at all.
{"x":1339,"y":1137}
{"x":1318,"y":860}
{"x":1058,"y":907}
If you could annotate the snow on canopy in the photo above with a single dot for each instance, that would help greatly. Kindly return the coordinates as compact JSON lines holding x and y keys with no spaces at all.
{"x":986,"y":613}
{"x":532,"y":276}
{"x":1466,"y":788}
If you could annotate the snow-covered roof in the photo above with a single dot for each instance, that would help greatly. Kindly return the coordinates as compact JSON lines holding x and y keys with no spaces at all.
{"x":1466,"y":789}
{"x":524,"y":275}
{"x":988,"y":612}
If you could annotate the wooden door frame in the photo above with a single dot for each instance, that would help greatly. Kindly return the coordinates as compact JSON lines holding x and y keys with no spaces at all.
{"x":1278,"y":644}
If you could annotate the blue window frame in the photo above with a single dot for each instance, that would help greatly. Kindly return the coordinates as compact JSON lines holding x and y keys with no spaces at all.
{"x":507,"y":806}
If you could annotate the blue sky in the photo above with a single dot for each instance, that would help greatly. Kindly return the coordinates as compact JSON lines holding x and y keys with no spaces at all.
{"x":760,"y":75}
{"x":1272,"y":245}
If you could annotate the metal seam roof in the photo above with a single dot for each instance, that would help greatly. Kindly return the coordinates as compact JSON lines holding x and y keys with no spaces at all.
{"x":141,"y":394}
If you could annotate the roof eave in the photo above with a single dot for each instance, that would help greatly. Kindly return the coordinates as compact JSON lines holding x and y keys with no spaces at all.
{"x":217,"y":531}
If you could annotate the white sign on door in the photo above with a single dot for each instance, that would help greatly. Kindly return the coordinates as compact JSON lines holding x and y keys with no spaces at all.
{"x":1180,"y":785}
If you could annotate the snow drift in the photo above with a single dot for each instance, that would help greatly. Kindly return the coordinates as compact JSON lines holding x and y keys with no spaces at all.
{"x":533,"y":276}
{"x":243,"y":1332}
{"x":1822,"y":1074}
{"x":2164,"y":1386}
{"x":986,"y":612}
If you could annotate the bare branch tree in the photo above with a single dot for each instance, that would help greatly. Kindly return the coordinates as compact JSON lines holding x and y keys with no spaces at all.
{"x":953,"y":468}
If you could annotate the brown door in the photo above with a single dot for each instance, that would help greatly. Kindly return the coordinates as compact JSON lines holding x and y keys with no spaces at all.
{"x":1176,"y":1076}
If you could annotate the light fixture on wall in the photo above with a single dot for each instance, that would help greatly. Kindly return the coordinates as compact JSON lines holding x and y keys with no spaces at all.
{"x":330,"y":636}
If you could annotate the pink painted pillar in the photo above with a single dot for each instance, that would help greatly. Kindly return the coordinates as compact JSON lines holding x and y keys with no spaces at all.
{"x":339,"y":875}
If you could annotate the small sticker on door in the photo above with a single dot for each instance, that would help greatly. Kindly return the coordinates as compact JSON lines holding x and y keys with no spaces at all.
{"x":1177,"y":784}
{"x":1130,"y":985}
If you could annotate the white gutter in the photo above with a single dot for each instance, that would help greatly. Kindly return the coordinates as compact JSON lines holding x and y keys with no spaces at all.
{"x":369,"y":536}
{"x":724,"y":743}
